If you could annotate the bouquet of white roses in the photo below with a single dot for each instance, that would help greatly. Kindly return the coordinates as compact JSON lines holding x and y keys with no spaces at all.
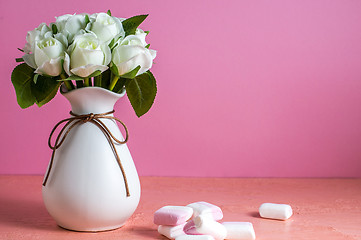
{"x":84,"y":50}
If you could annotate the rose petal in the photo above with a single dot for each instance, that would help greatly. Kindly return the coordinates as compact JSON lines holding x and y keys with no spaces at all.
{"x":66,"y":64}
{"x":81,"y":57}
{"x":128,"y":57}
{"x":30,"y":60}
{"x":51,"y":68}
{"x":107,"y":54}
{"x":85,"y":71}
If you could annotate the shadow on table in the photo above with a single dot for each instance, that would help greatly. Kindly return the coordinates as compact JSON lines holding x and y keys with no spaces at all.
{"x":147,"y":232}
{"x":26,"y":213}
{"x":254,"y":214}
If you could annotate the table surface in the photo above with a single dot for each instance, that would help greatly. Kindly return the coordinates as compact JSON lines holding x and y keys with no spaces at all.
{"x":323,"y":208}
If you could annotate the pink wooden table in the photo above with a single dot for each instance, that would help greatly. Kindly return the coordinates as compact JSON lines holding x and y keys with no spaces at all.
{"x":328,"y":209}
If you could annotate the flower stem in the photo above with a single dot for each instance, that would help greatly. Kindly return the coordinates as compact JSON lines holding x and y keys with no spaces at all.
{"x":113,"y":82}
{"x":69,"y":84}
{"x":98,"y":81}
{"x":86,"y":82}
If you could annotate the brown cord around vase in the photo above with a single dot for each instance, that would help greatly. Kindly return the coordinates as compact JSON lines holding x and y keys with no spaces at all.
{"x":95,"y":119}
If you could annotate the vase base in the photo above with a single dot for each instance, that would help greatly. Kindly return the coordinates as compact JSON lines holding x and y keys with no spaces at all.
{"x":92,"y":230}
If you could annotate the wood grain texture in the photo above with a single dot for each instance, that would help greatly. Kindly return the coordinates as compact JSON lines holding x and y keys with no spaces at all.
{"x":323,"y":208}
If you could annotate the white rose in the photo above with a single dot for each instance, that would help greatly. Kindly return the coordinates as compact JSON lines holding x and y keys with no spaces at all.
{"x":61,"y":21}
{"x":42,"y":31}
{"x":87,"y":54}
{"x":106,"y":27}
{"x":46,"y":57}
{"x":130,"y":53}
{"x":137,"y":39}
{"x":70,"y":25}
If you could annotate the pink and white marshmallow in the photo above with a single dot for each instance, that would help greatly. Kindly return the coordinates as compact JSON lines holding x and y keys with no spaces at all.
{"x":275,"y":211}
{"x":239,"y":230}
{"x":171,"y":232}
{"x":206,"y":209}
{"x":172,"y":215}
{"x":195,"y":237}
{"x":207,"y":226}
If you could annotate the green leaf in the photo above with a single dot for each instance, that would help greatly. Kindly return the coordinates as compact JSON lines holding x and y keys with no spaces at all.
{"x":114,"y":69}
{"x":131,"y":74}
{"x":114,"y":43}
{"x":44,"y":89}
{"x":87,"y":20}
{"x":130,"y":25}
{"x":22,"y":77}
{"x":35,"y":79}
{"x":109,"y":12}
{"x":111,"y":49}
{"x":54,"y":28}
{"x":147,"y":32}
{"x":20,"y":50}
{"x":19,"y":59}
{"x":72,"y":77}
{"x":141,"y":92}
{"x":147,"y":46}
{"x":94,"y":74}
{"x":111,"y":43}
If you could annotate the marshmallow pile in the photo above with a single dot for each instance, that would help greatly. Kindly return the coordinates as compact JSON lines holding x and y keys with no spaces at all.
{"x":199,"y":221}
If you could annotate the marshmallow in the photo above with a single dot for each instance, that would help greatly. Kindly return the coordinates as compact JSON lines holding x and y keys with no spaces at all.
{"x":195,"y":237}
{"x":206,"y":209}
{"x":171,"y":232}
{"x":172,"y":215}
{"x":239,"y":230}
{"x":207,"y":226}
{"x":275,"y":211}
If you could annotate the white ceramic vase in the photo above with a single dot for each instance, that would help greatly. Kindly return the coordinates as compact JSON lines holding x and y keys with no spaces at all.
{"x":85,"y":190}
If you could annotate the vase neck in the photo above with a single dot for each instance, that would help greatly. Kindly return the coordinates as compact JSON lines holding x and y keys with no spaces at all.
{"x":92,"y":100}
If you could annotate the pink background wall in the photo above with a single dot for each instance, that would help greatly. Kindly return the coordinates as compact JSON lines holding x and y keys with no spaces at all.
{"x":246,"y":88}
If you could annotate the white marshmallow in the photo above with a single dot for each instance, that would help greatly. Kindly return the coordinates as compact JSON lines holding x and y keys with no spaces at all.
{"x":172,"y":215}
{"x":206,"y":209}
{"x":195,"y":237}
{"x":275,"y":211}
{"x":171,"y":232}
{"x":239,"y":230}
{"x":207,"y":226}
